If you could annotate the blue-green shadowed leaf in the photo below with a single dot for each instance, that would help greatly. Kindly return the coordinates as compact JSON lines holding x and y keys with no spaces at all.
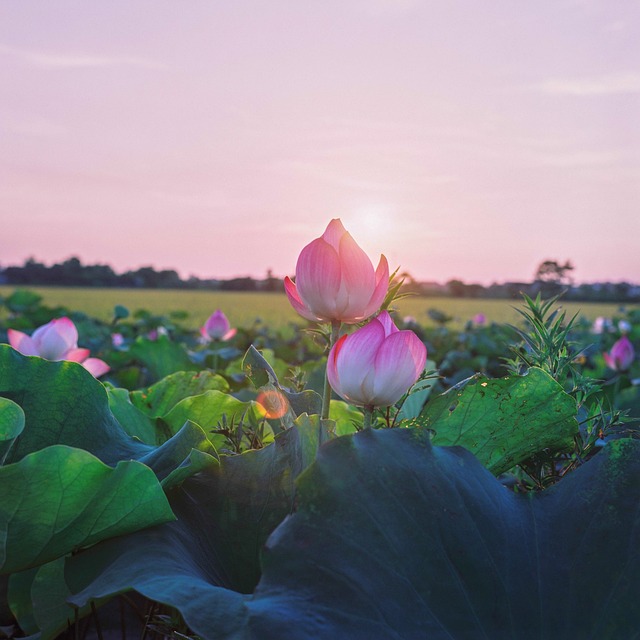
{"x":200,"y":562}
{"x":38,"y":600}
{"x":264,"y":378}
{"x":394,"y":539}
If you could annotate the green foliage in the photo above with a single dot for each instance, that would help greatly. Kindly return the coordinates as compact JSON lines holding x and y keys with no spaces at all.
{"x":394,"y":538}
{"x":22,"y":301}
{"x":11,"y":420}
{"x":546,"y":338}
{"x":158,"y":399}
{"x":207,"y":482}
{"x":503,"y":421}
{"x":547,"y":343}
{"x":199,"y":563}
{"x":39,"y":526}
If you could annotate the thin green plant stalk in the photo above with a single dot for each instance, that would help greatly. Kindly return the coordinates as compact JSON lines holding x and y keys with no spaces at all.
{"x":368,"y":416}
{"x":326,"y":396}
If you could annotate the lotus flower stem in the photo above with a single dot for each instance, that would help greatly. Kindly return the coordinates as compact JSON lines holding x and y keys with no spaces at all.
{"x":326,"y":397}
{"x":368,"y":416}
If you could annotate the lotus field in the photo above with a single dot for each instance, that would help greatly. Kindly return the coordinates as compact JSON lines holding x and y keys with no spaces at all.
{"x":362,"y":477}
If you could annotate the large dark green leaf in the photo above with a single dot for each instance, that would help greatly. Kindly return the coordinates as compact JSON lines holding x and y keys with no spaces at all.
{"x":503,"y":421}
{"x":394,"y":538}
{"x":85,"y":501}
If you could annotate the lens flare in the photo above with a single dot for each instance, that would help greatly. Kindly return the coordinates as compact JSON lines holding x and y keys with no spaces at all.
{"x":274,"y":403}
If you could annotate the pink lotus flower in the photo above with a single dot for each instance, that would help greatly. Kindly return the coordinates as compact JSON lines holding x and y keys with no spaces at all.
{"x":56,"y":340}
{"x":479,"y":319}
{"x":621,"y":355}
{"x":376,"y":365}
{"x":335,"y":280}
{"x":217,"y":327}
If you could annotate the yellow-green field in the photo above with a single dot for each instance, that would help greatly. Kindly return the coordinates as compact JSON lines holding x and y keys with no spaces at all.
{"x":273,"y":309}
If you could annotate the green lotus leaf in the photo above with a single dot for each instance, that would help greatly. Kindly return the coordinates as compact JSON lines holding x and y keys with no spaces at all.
{"x":85,"y":501}
{"x":394,"y":538}
{"x":11,"y":419}
{"x":65,"y":404}
{"x":208,"y":409}
{"x":200,"y":563}
{"x":503,"y":421}
{"x":161,"y":357}
{"x":158,"y":399}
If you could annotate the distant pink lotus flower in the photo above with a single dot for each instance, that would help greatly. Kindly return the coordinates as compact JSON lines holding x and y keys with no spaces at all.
{"x":56,"y":340}
{"x":377,"y":364}
{"x":479,"y":319}
{"x":621,"y":355}
{"x":217,"y":327}
{"x":335,"y":280}
{"x":117,"y":340}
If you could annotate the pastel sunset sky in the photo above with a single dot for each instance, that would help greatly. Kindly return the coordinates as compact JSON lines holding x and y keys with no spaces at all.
{"x":461,"y":138}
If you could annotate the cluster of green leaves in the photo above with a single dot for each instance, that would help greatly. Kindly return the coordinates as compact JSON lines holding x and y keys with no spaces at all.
{"x":547,"y":342}
{"x":240,"y":519}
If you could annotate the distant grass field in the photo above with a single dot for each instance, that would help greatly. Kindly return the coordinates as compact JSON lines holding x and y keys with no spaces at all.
{"x":273,"y":309}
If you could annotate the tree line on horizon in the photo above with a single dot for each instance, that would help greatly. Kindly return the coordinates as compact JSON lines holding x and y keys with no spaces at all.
{"x":551,"y":278}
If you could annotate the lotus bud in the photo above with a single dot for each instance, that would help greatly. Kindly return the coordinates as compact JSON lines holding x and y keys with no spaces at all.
{"x":621,"y":355}
{"x":217,"y":327}
{"x":335,"y":280}
{"x":377,"y":364}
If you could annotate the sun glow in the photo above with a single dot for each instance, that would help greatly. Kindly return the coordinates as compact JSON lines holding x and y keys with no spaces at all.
{"x":371,"y":226}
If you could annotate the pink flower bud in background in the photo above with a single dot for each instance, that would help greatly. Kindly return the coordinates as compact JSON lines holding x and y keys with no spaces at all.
{"x":621,"y":355}
{"x":217,"y":327}
{"x":56,"y":340}
{"x":335,"y":280}
{"x":377,"y":364}
{"x":479,"y":319}
{"x":117,"y":340}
